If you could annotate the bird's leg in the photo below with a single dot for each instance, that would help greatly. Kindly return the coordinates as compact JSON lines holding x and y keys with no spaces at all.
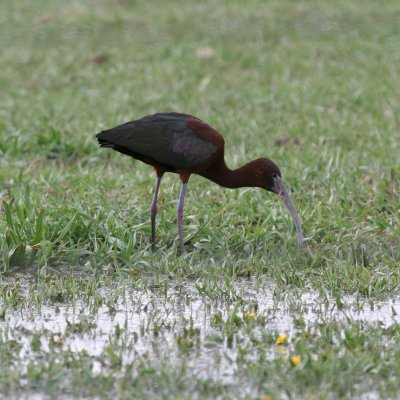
{"x":179,"y":216}
{"x":153,"y":211}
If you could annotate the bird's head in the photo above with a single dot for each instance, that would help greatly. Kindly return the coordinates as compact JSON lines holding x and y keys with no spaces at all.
{"x":269,"y":177}
{"x":266,"y":172}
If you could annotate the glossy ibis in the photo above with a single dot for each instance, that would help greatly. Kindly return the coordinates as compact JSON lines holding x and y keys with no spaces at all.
{"x":185,"y":145}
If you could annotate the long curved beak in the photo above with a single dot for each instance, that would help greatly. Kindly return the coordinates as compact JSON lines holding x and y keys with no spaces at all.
{"x":284,"y":195}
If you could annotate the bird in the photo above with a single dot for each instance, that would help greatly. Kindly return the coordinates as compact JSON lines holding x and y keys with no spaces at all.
{"x":185,"y":145}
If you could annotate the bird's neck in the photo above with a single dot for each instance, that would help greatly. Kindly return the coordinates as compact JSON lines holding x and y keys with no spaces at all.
{"x":244,"y":176}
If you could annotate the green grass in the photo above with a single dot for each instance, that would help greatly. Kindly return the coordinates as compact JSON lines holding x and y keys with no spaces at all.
{"x":324,"y":73}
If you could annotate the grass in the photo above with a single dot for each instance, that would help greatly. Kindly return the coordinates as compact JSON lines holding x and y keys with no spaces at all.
{"x":74,"y":219}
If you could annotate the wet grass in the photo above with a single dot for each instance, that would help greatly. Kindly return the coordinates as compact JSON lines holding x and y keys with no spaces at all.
{"x":74,"y":220}
{"x":176,"y":339}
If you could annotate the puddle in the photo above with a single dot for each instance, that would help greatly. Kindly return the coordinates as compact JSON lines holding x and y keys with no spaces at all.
{"x":155,"y":324}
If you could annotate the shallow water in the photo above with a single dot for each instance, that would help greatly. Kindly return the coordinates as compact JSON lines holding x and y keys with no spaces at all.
{"x":150,"y":322}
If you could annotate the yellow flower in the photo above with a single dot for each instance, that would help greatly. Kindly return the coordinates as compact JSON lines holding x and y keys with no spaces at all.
{"x":296,"y":360}
{"x":251,"y":315}
{"x":281,"y":339}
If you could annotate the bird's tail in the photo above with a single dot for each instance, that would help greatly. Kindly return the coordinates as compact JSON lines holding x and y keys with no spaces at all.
{"x":104,"y":142}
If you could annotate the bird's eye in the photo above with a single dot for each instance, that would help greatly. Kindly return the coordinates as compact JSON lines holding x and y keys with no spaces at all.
{"x":274,"y":176}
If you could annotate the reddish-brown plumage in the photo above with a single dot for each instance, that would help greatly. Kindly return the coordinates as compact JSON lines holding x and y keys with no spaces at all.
{"x":183,"y":144}
{"x":205,"y":132}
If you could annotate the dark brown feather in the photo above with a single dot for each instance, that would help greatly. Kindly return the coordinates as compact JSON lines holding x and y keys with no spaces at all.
{"x":164,"y":139}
